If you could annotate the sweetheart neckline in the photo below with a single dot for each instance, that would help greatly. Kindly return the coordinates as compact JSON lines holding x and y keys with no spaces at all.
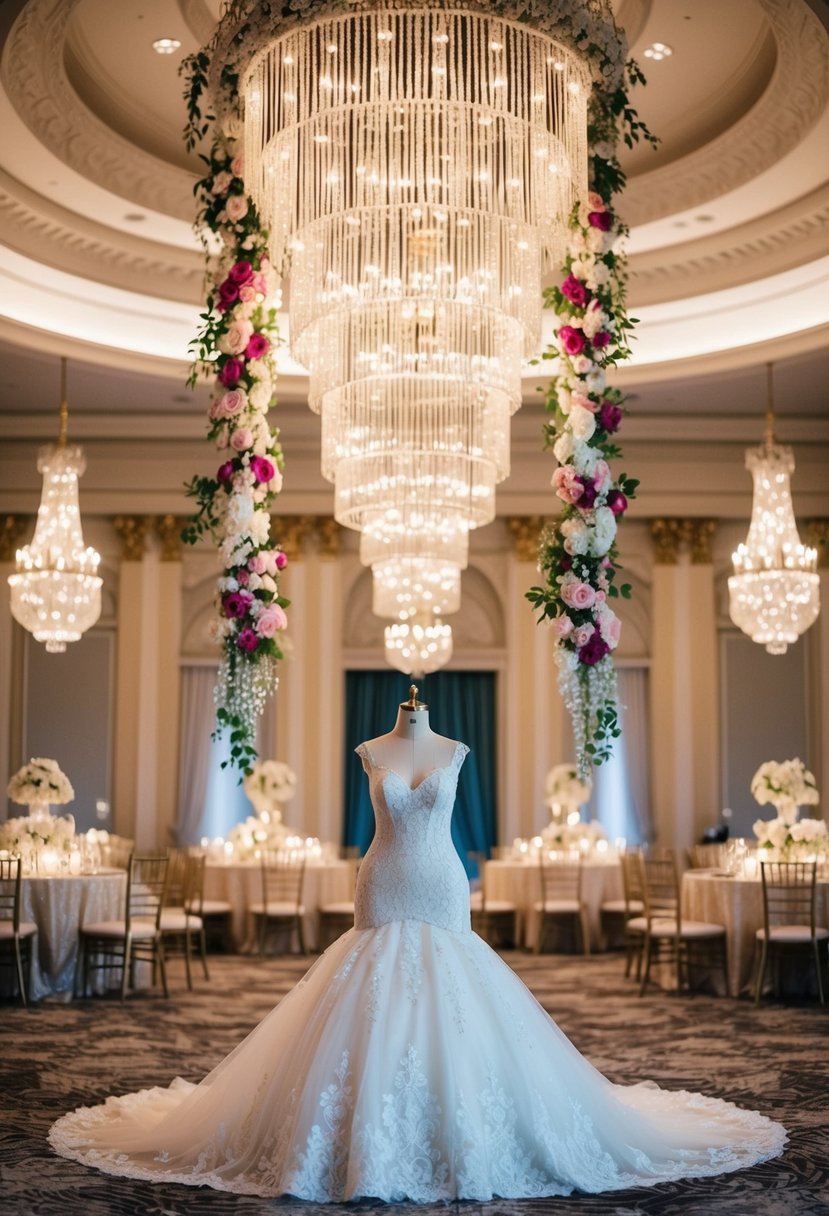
{"x":414,"y":788}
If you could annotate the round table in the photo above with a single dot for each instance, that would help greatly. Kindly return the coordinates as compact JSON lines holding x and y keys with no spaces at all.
{"x":520,"y":883}
{"x":59,"y":904}
{"x":737,"y":903}
{"x":240,"y":883}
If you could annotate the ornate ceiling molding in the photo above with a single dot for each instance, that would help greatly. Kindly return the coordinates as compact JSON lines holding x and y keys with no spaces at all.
{"x":796,"y":97}
{"x":50,"y":234}
{"x":34,"y":76}
{"x":793,"y":236}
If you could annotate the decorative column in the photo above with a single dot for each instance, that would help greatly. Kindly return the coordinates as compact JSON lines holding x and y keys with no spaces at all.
{"x":136,"y":743}
{"x":817,"y":535}
{"x":684,"y":682}
{"x":537,"y":731}
{"x":168,"y":675}
{"x":12,"y":530}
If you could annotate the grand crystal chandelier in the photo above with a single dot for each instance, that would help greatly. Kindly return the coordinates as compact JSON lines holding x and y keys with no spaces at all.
{"x":419,"y":645}
{"x":774,"y":590}
{"x":56,"y":590}
{"x":415,"y":167}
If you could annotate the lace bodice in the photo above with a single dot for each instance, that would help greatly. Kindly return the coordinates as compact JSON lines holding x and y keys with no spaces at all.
{"x":412,"y":871}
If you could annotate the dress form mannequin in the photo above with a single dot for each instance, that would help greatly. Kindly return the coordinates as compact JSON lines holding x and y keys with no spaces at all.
{"x":412,"y":749}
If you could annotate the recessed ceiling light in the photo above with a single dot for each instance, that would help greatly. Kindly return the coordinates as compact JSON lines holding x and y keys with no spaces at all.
{"x":168,"y":46}
{"x":658,"y":50}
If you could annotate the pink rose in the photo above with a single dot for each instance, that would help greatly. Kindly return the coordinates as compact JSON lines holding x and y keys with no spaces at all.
{"x":262,"y":468}
{"x":601,"y":475}
{"x":247,"y":293}
{"x":233,"y":402}
{"x":584,"y":401}
{"x":281,"y":560}
{"x":594,"y":201}
{"x":236,"y":207}
{"x":611,"y":628}
{"x":575,"y":595}
{"x":257,"y":564}
{"x":563,"y":626}
{"x":221,"y":182}
{"x":583,"y":634}
{"x":241,"y":439}
{"x":241,"y":272}
{"x":236,"y":339}
{"x":572,"y":340}
{"x":237,"y":165}
{"x":270,"y":620}
{"x":216,"y":410}
{"x":567,"y":485}
{"x":575,"y":291}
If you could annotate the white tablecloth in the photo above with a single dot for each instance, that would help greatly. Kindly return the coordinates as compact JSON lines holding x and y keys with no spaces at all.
{"x":520,"y":883}
{"x":737,"y":903}
{"x":240,"y":883}
{"x":59,"y":905}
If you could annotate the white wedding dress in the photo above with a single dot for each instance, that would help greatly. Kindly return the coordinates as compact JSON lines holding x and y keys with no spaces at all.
{"x":411,"y":1063}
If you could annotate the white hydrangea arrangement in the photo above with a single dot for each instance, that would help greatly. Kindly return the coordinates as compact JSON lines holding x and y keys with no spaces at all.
{"x":572,"y":835}
{"x":268,"y":785}
{"x":564,"y":787}
{"x":26,"y":836}
{"x":40,"y":781}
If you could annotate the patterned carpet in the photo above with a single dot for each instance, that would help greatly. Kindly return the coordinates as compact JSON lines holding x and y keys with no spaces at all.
{"x":775,"y":1059}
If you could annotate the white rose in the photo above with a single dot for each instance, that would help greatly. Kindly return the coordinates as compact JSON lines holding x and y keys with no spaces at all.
{"x":564,"y":400}
{"x":595,"y":381}
{"x":564,"y":447}
{"x":254,"y":582}
{"x":778,"y":833}
{"x":239,"y":508}
{"x":604,"y":531}
{"x":585,"y":459}
{"x":260,"y":395}
{"x":259,"y":526}
{"x":582,"y":422}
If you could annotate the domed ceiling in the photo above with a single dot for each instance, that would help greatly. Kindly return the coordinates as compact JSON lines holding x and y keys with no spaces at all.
{"x":729,"y":240}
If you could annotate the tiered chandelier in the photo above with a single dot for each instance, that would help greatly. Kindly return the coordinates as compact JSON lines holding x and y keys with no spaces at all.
{"x":775,"y":590}
{"x":56,"y":590}
{"x":415,"y":167}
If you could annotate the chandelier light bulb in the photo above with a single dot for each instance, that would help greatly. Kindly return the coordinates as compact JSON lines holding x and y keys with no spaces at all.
{"x":418,"y":646}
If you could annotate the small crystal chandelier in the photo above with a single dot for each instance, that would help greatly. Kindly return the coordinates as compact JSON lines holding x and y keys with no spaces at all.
{"x":774,"y":590}
{"x":419,"y":645}
{"x":56,"y":591}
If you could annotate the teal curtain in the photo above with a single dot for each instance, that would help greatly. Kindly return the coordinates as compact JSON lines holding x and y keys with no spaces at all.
{"x":461,"y":706}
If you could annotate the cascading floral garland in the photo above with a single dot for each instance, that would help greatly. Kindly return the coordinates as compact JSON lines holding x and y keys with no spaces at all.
{"x":236,"y":345}
{"x":578,"y":554}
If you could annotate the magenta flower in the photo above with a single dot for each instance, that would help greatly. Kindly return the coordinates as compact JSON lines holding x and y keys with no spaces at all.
{"x":262,"y":468}
{"x":601,"y":339}
{"x":232,"y":372}
{"x":242,"y":272}
{"x":565,"y":562}
{"x":248,"y":639}
{"x":587,"y":497}
{"x":236,"y":604}
{"x":225,"y":472}
{"x":228,"y":295}
{"x":575,"y":291}
{"x":242,"y":577}
{"x":281,"y":560}
{"x":572,"y":340}
{"x":594,"y":649}
{"x":610,"y":416}
{"x":617,"y":502}
{"x":602,"y":220}
{"x":258,"y":346}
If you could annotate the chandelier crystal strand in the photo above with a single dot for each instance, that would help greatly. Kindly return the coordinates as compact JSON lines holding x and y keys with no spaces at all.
{"x":415,"y":168}
{"x":775,"y":591}
{"x":56,"y":589}
{"x":418,"y":646}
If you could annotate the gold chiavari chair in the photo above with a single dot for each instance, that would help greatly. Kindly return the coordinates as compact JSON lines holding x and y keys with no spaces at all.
{"x":17,"y":937}
{"x":493,"y":919}
{"x":281,"y":902}
{"x":631,"y":907}
{"x":707,"y":856}
{"x":789,"y":917}
{"x":117,"y":945}
{"x":180,"y":926}
{"x":667,"y":937}
{"x":337,"y":917}
{"x":561,"y":898}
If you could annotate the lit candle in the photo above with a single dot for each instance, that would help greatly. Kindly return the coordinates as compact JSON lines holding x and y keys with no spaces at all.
{"x":75,"y":862}
{"x":49,"y":861}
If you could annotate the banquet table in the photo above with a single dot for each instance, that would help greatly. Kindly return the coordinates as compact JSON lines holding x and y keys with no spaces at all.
{"x":737,"y":903}
{"x":240,"y":883}
{"x":59,"y":904}
{"x":520,"y":883}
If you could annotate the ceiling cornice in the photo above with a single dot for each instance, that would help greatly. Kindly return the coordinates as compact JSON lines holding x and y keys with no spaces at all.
{"x":793,"y":102}
{"x":34,"y":77}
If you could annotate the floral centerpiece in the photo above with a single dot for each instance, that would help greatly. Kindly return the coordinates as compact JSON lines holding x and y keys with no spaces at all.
{"x":39,"y":783}
{"x":786,"y":785}
{"x":27,"y":837}
{"x":577,"y":835}
{"x":564,"y":788}
{"x":268,"y":785}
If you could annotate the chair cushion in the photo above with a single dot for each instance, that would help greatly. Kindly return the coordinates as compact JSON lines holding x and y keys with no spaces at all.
{"x":637,"y":924}
{"x":214,"y":907}
{"x":176,"y":920}
{"x":344,"y":908}
{"x":27,"y":929}
{"x":143,"y":930}
{"x":793,"y":933}
{"x":277,"y":907}
{"x":558,"y":905}
{"x":690,"y":928}
{"x":619,"y":905}
{"x":499,"y":905}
